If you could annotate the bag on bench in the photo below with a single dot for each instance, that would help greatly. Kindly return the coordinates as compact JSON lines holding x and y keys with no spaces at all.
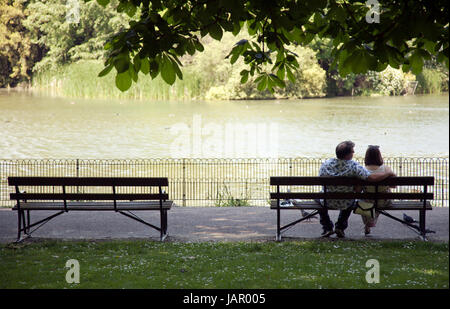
{"x":367,"y":209}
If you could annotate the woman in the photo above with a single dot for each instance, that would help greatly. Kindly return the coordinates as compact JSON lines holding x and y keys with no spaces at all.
{"x":366,"y":208}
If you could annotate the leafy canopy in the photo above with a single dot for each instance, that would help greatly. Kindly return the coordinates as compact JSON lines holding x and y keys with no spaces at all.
{"x":162,"y":31}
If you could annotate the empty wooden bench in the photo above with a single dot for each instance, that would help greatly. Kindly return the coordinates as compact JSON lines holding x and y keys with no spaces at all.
{"x":63,"y":195}
{"x":417,"y":200}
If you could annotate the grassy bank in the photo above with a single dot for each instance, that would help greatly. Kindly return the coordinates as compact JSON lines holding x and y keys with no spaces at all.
{"x":144,"y":264}
{"x":79,"y":80}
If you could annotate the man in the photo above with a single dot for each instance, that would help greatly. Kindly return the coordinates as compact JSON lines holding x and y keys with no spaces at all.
{"x":343,"y":165}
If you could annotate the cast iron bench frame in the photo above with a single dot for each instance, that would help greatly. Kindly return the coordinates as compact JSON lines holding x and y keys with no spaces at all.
{"x":400,"y":201}
{"x":64,"y":202}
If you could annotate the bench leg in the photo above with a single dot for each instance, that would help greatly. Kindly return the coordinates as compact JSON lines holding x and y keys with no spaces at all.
{"x":422,"y":225}
{"x":24,"y":223}
{"x":163,"y":225}
{"x":278,"y":236}
{"x":26,"y":227}
{"x":19,"y":224}
{"x":28,"y":223}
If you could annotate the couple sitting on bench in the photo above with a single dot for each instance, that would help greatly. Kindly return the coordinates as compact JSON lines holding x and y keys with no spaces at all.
{"x":343,"y":165}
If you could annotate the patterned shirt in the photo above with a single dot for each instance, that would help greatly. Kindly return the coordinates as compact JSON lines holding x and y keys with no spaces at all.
{"x":346,"y":168}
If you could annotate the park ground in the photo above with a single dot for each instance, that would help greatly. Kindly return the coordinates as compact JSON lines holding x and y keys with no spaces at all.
{"x":223,"y":248}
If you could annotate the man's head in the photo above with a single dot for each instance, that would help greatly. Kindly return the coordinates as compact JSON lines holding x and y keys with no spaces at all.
{"x":344,"y":150}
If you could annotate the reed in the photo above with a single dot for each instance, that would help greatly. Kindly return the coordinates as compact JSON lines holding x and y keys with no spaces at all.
{"x":79,"y":80}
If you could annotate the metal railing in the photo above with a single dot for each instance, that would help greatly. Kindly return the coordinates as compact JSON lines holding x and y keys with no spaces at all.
{"x":212,"y":182}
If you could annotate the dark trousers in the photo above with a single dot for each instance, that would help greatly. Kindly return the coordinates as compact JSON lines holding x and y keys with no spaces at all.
{"x":342,"y":221}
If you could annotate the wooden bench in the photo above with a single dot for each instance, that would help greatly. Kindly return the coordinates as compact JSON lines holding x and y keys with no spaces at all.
{"x":417,"y":200}
{"x":64,"y":196}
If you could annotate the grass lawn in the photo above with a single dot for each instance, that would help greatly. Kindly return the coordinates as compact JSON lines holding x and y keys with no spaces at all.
{"x":232,"y":265}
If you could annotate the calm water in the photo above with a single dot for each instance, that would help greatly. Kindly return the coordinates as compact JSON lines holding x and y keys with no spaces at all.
{"x":45,"y":127}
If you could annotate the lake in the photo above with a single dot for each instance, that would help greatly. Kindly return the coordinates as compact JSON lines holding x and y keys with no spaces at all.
{"x":39,"y":127}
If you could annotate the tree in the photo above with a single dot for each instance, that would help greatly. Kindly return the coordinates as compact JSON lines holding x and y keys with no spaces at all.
{"x":17,"y":53}
{"x":67,"y":38}
{"x":408,"y":32}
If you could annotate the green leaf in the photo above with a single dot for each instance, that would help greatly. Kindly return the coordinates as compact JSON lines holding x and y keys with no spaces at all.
{"x":199,"y":46}
{"x":137,"y":63}
{"x":177,"y":69}
{"x":358,"y":61}
{"x":103,"y":2}
{"x":108,"y":45}
{"x":416,"y":62}
{"x":259,"y":78}
{"x":130,"y":9}
{"x":133,"y":73}
{"x":281,"y":72}
{"x":276,"y":81}
{"x":244,"y":77}
{"x":406,"y":67}
{"x":236,"y":28}
{"x":429,"y":45}
{"x":105,"y":71}
{"x":123,"y":81}
{"x":290,"y":75}
{"x":234,"y":58}
{"x":381,"y":66}
{"x":145,"y":66}
{"x":262,"y":84}
{"x":215,"y":31}
{"x":441,"y":57}
{"x":167,"y":71}
{"x":121,"y":64}
{"x":190,"y":48}
{"x":154,"y":69}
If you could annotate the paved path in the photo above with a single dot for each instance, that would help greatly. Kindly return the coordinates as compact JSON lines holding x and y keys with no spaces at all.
{"x":192,"y":224}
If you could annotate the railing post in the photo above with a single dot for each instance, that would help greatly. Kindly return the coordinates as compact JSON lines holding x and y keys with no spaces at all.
{"x":78,"y":173}
{"x":184,"y":183}
{"x":290,"y":167}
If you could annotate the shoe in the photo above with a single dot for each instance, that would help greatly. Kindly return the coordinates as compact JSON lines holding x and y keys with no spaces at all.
{"x":339,"y":233}
{"x":327,"y":233}
{"x":366,"y":230}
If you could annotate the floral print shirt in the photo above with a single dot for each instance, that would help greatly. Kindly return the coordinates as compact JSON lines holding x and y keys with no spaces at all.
{"x":345,"y":168}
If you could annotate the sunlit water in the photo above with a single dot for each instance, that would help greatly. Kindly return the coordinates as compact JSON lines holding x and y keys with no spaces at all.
{"x":45,"y":127}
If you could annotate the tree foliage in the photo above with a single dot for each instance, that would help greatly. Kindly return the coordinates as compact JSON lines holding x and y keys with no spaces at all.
{"x":17,"y":53}
{"x":409,"y":32}
{"x":67,"y":39}
{"x":229,"y":81}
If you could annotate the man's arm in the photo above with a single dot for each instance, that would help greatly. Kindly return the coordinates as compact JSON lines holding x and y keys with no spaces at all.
{"x":379,"y":176}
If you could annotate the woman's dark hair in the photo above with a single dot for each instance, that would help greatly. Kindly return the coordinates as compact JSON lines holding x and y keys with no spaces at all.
{"x":344,"y":149}
{"x":373,"y":156}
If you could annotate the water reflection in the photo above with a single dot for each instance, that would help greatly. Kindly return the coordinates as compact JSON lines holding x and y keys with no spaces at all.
{"x":44,"y":127}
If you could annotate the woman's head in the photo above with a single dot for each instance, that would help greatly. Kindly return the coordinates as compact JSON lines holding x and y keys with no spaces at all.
{"x":373,"y":156}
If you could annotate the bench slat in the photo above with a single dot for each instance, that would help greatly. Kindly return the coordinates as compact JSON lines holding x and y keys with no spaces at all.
{"x":396,"y":205}
{"x":88,"y":181}
{"x":88,"y":196}
{"x":307,"y":205}
{"x":320,"y":180}
{"x":352,"y":195}
{"x":94,"y":205}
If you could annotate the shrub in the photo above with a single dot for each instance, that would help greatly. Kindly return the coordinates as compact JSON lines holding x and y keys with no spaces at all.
{"x":388,"y":82}
{"x":432,"y":81}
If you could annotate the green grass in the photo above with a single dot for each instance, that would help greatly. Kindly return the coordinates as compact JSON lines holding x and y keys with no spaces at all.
{"x":147,"y":264}
{"x":79,"y":80}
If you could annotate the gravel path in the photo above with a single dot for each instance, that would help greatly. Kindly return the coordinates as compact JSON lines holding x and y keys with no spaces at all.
{"x":193,"y":224}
